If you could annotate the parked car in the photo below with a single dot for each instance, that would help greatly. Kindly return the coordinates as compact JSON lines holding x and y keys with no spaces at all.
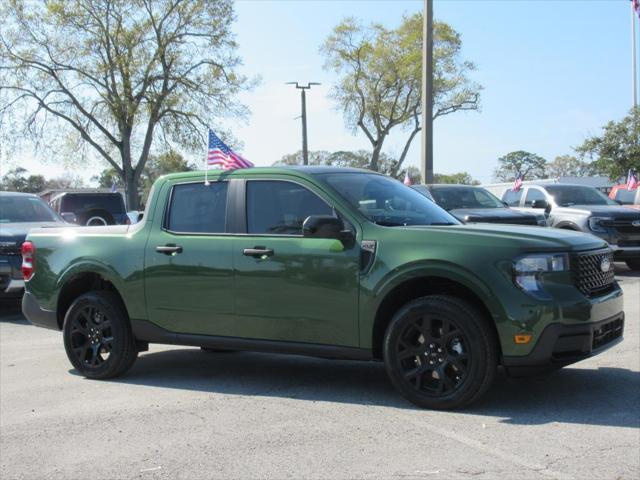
{"x":585,"y":209}
{"x":19,"y":213}
{"x":92,"y":208}
{"x":626,"y":198}
{"x":472,"y":204}
{"x":330,"y":262}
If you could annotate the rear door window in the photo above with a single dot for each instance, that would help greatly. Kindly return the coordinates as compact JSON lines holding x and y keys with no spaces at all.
{"x":512,"y":198}
{"x":198,"y":208}
{"x":533,"y":194}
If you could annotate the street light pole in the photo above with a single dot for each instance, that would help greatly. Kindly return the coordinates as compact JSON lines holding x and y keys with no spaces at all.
{"x":303,"y":97}
{"x":427,"y":94}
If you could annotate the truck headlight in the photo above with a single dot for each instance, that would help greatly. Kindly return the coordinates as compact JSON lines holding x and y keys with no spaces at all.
{"x":595,"y":224}
{"x":528,"y":269}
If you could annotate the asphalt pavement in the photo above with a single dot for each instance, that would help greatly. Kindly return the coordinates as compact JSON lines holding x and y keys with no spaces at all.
{"x":184,"y":413}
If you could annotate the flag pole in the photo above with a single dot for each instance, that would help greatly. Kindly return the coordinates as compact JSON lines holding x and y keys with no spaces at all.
{"x":634,"y":71}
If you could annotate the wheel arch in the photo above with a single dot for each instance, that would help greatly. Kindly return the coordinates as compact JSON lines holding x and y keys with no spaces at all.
{"x":80,"y":282}
{"x":567,"y":225}
{"x":420,"y":286}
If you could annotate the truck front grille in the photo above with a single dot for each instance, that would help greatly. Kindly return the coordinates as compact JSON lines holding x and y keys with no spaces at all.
{"x":588,"y":275}
{"x":622,"y":225}
{"x":10,"y":248}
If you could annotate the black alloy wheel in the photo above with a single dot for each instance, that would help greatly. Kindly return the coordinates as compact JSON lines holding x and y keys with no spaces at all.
{"x":433,"y":355}
{"x":91,"y":336}
{"x":98,"y":337}
{"x":440,"y":352}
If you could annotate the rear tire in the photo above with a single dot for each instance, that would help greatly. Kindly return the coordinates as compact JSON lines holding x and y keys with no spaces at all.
{"x":98,"y":337}
{"x":633,"y":264}
{"x":440,"y":353}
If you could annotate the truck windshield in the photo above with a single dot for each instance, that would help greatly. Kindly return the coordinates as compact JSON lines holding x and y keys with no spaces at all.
{"x":451,"y":198}
{"x":386,"y":201}
{"x":567,"y":195}
{"x":18,"y":209}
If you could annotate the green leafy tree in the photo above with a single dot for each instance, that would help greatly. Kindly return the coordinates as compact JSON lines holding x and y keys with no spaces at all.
{"x":342,"y":158}
{"x":617,"y":149}
{"x":158,"y":165}
{"x":16,"y":180}
{"x":462,"y":178}
{"x":570,"y":166}
{"x":380,"y":79}
{"x":118,"y":75}
{"x":532,"y":166}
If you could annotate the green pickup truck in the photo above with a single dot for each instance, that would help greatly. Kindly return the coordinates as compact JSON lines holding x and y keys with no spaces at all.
{"x":328,"y":262}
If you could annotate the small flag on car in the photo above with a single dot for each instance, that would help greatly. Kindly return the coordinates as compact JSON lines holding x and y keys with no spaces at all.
{"x":517,"y":184}
{"x":632,"y":179}
{"x":407,"y":179}
{"x":221,"y":156}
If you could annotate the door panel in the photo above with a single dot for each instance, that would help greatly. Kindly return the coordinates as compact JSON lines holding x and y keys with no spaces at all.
{"x":302,"y":289}
{"x":306,"y":291}
{"x":188,"y":291}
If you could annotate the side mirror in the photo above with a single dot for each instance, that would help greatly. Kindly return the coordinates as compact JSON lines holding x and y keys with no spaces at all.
{"x":327,"y":226}
{"x":539,"y":204}
{"x":69,"y":217}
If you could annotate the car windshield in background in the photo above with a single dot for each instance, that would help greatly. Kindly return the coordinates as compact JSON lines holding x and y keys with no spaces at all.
{"x":113,"y":203}
{"x":19,"y":209}
{"x":386,"y":201}
{"x":567,"y":195}
{"x":451,"y":198}
{"x":626,"y":197}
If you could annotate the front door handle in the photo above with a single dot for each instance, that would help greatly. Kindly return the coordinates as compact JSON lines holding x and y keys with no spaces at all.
{"x":169,"y":249}
{"x":258,"y":252}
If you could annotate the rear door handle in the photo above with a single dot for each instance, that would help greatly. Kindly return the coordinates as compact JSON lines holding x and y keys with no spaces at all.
{"x":258,"y":252}
{"x":169,"y":249}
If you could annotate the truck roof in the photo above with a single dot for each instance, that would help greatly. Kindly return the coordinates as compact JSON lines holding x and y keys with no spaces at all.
{"x":285,"y":169}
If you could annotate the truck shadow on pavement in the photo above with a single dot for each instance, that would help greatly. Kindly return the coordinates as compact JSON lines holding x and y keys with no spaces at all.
{"x":603,"y":396}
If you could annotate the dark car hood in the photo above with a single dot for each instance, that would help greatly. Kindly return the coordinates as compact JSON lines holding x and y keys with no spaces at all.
{"x":492,"y":215}
{"x":17,"y":232}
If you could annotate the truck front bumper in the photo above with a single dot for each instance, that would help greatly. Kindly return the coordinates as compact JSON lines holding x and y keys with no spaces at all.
{"x":560,"y":345}
{"x":37,"y":315}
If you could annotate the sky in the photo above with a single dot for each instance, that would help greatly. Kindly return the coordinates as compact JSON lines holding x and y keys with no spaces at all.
{"x":553,"y":71}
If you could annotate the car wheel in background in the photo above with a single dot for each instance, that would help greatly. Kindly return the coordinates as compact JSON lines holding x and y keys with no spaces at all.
{"x":440,"y":352}
{"x":98,"y":337}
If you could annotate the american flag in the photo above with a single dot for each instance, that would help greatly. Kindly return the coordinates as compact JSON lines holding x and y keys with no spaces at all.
{"x":517,"y":184}
{"x":407,"y":179}
{"x":221,"y":155}
{"x":632,"y":179}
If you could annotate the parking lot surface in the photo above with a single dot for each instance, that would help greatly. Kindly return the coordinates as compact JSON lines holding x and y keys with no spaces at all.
{"x":184,"y":413}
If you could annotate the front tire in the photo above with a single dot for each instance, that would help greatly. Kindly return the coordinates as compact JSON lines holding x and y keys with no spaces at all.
{"x":98,"y":337}
{"x":440,"y":353}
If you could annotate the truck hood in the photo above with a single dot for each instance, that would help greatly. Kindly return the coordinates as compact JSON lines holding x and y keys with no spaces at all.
{"x":494,"y":215}
{"x":600,"y":210}
{"x":523,"y":238}
{"x":17,"y":232}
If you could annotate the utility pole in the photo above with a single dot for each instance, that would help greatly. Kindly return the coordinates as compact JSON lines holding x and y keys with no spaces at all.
{"x":305,"y":150}
{"x":426,"y":162}
{"x":634,"y":68}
